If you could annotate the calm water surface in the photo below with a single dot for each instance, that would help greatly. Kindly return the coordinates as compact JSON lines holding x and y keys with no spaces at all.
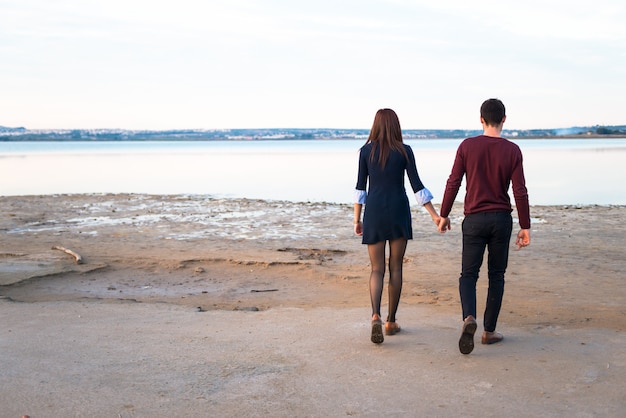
{"x":558,"y":172}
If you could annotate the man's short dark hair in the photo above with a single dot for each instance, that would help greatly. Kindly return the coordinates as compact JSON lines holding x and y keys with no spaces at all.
{"x":493,"y":112}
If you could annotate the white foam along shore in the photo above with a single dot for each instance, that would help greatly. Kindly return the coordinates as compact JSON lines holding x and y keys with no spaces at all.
{"x":216,"y":217}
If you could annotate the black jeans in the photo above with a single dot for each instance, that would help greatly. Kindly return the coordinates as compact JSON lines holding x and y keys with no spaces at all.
{"x":491,"y":230}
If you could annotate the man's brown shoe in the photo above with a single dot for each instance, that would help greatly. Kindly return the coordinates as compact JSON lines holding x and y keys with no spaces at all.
{"x":492,"y":337}
{"x":466,"y":342}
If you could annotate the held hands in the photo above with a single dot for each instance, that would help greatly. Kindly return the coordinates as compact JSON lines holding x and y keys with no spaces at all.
{"x":443,"y":225}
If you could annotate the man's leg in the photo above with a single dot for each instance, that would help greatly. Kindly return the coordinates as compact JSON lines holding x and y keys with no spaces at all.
{"x":474,"y":243}
{"x":498,"y":248}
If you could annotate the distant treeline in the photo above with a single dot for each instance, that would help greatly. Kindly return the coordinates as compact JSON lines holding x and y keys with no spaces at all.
{"x":23,"y":134}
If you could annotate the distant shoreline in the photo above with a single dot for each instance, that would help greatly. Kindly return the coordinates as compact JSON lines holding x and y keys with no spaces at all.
{"x":45,"y":138}
{"x":579,"y":136}
{"x":279,"y":134}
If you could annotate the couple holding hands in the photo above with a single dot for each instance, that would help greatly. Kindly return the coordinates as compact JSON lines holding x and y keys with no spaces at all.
{"x":490,"y":165}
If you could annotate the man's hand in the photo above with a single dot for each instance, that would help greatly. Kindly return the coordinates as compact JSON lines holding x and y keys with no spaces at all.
{"x":523,"y":238}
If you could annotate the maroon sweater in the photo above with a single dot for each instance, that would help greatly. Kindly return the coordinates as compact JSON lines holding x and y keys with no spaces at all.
{"x":490,"y":165}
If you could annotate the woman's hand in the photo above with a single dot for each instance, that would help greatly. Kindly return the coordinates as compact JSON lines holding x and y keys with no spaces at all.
{"x":358,"y":228}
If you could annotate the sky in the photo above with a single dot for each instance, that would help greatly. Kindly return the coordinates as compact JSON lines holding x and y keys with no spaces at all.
{"x":221,"y":64}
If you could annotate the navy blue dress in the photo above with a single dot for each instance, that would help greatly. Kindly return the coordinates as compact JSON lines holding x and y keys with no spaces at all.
{"x":387,"y":213}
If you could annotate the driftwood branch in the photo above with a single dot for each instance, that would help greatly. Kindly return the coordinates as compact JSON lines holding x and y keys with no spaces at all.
{"x":77,"y":257}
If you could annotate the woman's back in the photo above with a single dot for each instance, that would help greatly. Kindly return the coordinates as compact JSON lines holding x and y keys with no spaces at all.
{"x":387,"y":179}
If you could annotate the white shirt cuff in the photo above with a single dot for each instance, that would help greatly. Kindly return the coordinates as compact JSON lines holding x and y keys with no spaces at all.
{"x":359,"y":196}
{"x":423,"y":196}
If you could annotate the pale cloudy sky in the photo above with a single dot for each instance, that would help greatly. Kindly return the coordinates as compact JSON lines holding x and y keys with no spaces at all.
{"x":154,"y":64}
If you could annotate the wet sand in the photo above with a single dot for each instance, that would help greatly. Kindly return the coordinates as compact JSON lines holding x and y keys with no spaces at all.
{"x":233,"y":307}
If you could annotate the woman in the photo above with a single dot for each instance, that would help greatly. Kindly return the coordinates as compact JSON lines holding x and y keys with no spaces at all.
{"x":383,"y":160}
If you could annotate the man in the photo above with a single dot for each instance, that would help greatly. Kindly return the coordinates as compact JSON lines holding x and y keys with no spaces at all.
{"x":490,"y":164}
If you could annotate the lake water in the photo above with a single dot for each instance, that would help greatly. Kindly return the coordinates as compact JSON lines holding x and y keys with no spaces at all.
{"x":558,"y":171}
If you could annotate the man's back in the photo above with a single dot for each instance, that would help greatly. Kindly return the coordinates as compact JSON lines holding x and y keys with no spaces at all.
{"x":490,"y":165}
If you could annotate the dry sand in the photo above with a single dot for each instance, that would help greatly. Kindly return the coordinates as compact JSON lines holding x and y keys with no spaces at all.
{"x":193,"y":306}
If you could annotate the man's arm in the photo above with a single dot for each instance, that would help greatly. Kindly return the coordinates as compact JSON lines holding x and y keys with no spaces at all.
{"x":452,"y":189}
{"x":520,"y":193}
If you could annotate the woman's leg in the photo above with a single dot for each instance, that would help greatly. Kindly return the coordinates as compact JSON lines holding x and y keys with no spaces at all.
{"x":377,"y":261}
{"x":397,"y":248}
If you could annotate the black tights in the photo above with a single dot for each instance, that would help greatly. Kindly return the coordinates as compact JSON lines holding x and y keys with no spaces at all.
{"x":397,"y":247}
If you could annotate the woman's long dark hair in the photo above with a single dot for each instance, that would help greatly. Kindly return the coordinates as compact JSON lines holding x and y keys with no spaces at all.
{"x":385,"y":136}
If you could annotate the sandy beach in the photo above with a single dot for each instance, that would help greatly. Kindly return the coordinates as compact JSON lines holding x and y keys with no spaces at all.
{"x":195,"y":306}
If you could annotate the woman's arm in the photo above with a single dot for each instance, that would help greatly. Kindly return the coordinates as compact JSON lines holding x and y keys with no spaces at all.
{"x":433,"y":213}
{"x":358,"y":225}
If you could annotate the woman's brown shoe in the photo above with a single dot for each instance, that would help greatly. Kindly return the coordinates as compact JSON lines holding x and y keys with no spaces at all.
{"x":492,"y":337}
{"x":391,"y":328}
